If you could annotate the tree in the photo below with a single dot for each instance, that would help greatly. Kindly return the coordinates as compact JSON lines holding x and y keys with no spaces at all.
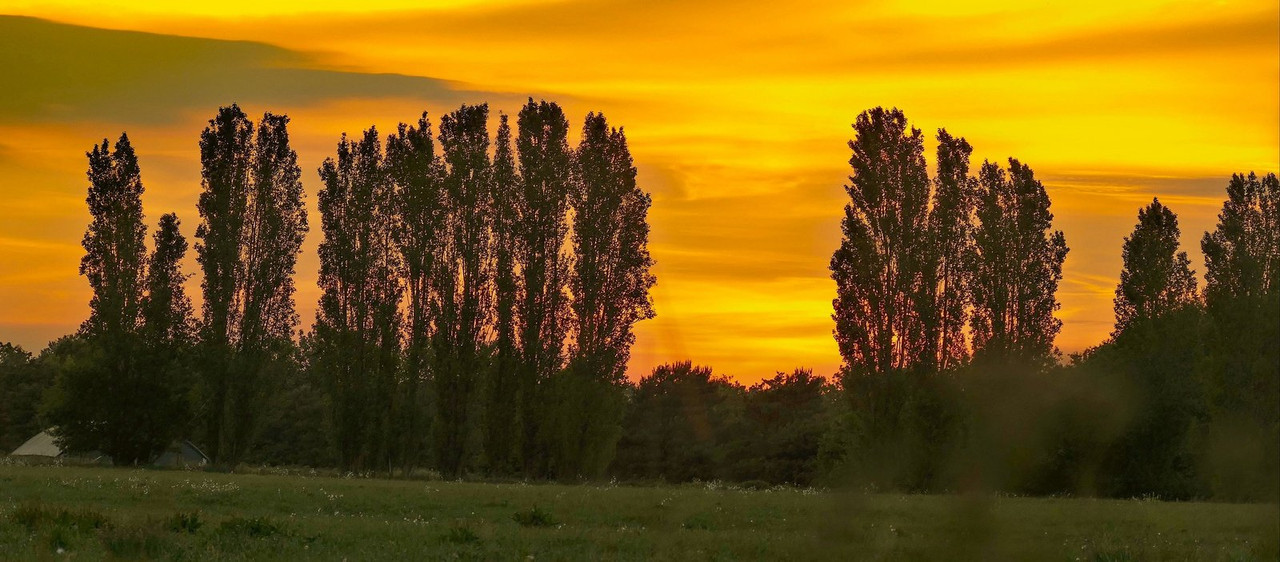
{"x":22,"y":383}
{"x":951,"y":232}
{"x":1016,"y":265}
{"x":417,"y":174}
{"x":462,"y":277}
{"x":166,"y":310}
{"x":253,"y":223}
{"x":357,"y":329}
{"x":1157,"y":278}
{"x":1242,"y":292}
{"x":785,"y":418}
{"x":118,"y":395}
{"x":1242,"y":255}
{"x":115,"y":254}
{"x":610,"y":284}
{"x":539,"y":233}
{"x":880,"y":267}
{"x":502,"y":426}
{"x":680,"y":419}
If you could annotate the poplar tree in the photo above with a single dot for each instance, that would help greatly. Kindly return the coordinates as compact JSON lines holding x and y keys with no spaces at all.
{"x":121,"y":395}
{"x":462,"y":277}
{"x":226,"y":160}
{"x":1017,"y":264}
{"x":1156,"y":278}
{"x":951,"y":233}
{"x":545,"y":161}
{"x":168,"y":318}
{"x":881,"y":268}
{"x":610,"y":284}
{"x":94,"y":402}
{"x":502,"y":425}
{"x":358,"y":318}
{"x":417,"y":175}
{"x":251,"y":233}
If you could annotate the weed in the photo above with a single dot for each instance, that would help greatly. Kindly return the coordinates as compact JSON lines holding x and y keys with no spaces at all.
{"x":184,"y":522}
{"x":535,"y":517}
{"x":256,"y":527}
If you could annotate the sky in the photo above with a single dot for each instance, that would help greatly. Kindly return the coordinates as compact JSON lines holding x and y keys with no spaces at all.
{"x":738,"y":116}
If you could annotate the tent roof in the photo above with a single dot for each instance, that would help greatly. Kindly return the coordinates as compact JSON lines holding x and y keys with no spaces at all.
{"x":41,"y":445}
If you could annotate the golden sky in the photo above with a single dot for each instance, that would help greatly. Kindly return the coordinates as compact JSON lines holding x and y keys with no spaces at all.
{"x":737,"y":114}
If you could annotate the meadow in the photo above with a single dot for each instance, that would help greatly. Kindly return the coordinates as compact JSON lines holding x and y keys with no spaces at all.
{"x":89,"y":513}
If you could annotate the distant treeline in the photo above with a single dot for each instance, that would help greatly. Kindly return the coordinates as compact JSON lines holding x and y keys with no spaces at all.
{"x":478,"y":300}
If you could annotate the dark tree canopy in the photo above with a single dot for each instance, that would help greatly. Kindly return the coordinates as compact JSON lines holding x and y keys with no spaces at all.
{"x":120,"y":394}
{"x":115,"y":255}
{"x":880,"y":266}
{"x":951,"y":234}
{"x":166,"y":311}
{"x":1157,"y":278}
{"x":1017,"y":264}
{"x":540,"y":226}
{"x":358,"y":318}
{"x":462,"y":278}
{"x":417,"y":175}
{"x":502,"y":434}
{"x":609,"y":281}
{"x":1242,"y":255}
{"x":251,"y":232}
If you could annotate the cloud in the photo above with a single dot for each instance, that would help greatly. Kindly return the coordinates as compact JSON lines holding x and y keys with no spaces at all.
{"x":64,"y":73}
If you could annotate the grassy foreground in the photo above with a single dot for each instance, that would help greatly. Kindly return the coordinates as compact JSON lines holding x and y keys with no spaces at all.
{"x":93,"y":513}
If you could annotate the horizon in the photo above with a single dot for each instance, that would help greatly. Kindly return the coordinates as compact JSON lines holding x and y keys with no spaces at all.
{"x":746,"y":164}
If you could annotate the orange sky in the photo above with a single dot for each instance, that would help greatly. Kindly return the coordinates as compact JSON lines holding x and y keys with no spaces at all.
{"x":737,"y":113}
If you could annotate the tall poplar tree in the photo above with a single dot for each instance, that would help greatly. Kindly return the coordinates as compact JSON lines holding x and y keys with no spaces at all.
{"x":881,"y":267}
{"x":610,"y":284}
{"x":502,"y":424}
{"x":417,"y":175}
{"x":462,"y":277}
{"x":951,"y":232}
{"x":122,"y":395}
{"x":251,"y":233}
{"x":545,"y":162}
{"x":1017,"y":264}
{"x":358,"y":318}
{"x":1156,"y":278}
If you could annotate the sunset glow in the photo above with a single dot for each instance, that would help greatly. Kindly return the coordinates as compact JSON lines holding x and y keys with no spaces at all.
{"x":737,"y":116}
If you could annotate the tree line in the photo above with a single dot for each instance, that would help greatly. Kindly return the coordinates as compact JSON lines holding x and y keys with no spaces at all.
{"x":478,"y":297}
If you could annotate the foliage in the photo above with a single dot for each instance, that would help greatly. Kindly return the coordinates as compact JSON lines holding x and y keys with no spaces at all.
{"x":880,"y":267}
{"x":1016,"y":267}
{"x":357,"y":329}
{"x":253,"y":223}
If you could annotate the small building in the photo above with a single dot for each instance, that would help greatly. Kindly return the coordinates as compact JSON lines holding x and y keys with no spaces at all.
{"x":180,"y":454}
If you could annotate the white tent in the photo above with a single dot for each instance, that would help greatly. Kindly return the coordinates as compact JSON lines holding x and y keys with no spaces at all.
{"x":179,"y":454}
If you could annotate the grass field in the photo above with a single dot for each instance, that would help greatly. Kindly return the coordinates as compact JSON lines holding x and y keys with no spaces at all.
{"x":93,"y":513}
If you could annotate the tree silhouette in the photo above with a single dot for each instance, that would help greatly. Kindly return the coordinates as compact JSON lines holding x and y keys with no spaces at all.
{"x":166,"y":311}
{"x":1242,"y":255}
{"x":1242,"y":262}
{"x":539,"y":232}
{"x":253,"y":223}
{"x":610,"y":284}
{"x":358,"y":319}
{"x":1017,"y":264}
{"x":880,"y":267}
{"x":120,"y":394}
{"x":502,"y":425}
{"x":1157,"y":278}
{"x":417,"y":174}
{"x":951,"y":234}
{"x":462,"y":277}
{"x":115,"y":254}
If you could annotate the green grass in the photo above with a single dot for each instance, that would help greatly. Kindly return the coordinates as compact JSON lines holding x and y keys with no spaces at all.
{"x":104,"y":513}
